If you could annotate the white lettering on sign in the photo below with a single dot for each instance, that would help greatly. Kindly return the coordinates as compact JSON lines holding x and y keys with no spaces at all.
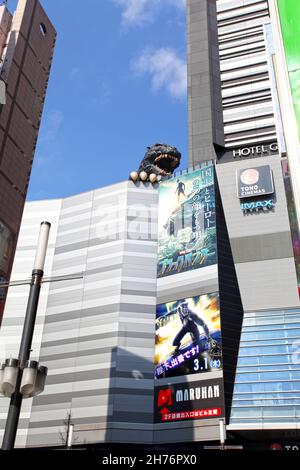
{"x":256,"y":150}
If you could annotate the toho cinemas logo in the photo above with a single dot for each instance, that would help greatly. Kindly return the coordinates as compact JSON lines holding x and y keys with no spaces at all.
{"x":180,"y":403}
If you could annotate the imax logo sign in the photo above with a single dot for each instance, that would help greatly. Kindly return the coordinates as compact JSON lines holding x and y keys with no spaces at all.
{"x":258,"y":205}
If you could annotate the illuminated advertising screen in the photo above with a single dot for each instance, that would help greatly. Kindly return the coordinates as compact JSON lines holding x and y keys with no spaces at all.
{"x":254,"y":181}
{"x":185,"y":401}
{"x":289,"y":14}
{"x":292,"y":217}
{"x":188,"y":336}
{"x":187,"y":222}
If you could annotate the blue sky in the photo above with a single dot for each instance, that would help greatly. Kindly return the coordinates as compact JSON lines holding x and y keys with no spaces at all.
{"x":118,"y":84}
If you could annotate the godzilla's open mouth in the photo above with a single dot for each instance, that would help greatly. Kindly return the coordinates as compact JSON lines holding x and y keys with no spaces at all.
{"x":166,"y":163}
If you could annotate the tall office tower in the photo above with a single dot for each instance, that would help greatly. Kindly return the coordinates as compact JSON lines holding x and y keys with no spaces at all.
{"x":258,"y":194}
{"x":232,"y":103}
{"x":27,"y":41}
{"x":248,"y":109}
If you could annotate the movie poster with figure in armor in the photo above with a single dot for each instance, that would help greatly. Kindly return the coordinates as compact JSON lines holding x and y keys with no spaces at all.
{"x":188,"y":336}
{"x":187,"y":222}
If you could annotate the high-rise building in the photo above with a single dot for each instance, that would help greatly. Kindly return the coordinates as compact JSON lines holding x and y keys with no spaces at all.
{"x":182,"y":304}
{"x":232,"y":103}
{"x":248,"y":108}
{"x":27,"y":40}
{"x":260,"y":138}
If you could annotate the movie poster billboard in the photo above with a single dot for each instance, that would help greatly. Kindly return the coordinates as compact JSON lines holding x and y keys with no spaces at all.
{"x":185,"y":401}
{"x":187,"y":223}
{"x":188,"y":336}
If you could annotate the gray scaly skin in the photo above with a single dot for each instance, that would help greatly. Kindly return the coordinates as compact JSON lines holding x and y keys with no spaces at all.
{"x":161,"y":160}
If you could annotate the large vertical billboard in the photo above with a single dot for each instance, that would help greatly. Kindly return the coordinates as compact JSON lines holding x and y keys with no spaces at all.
{"x":188,"y":336}
{"x":292,"y":217}
{"x":270,"y":51}
{"x":187,"y":222}
{"x":289,"y":15}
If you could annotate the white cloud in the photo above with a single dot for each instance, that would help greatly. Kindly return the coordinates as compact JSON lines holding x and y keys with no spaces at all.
{"x":74,"y":73}
{"x":142,"y":11}
{"x":178,"y":3}
{"x":102,"y":92}
{"x":51,"y":126}
{"x":166,"y":68}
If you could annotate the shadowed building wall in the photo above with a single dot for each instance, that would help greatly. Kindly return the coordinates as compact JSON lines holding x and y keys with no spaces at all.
{"x":26,"y":45}
{"x":204,"y":85}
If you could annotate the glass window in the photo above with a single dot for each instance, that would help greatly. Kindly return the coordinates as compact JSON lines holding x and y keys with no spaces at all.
{"x":269,"y":419}
{"x":246,"y":377}
{"x":280,"y":333}
{"x":247,"y":360}
{"x":265,"y":386}
{"x":280,"y":375}
{"x":242,"y":388}
{"x":265,"y":342}
{"x":262,"y":350}
{"x":268,"y":367}
{"x":292,"y":323}
{"x":261,"y":396}
{"x":276,"y":319}
{"x":266,"y":376}
{"x":284,"y":359}
{"x":248,"y":420}
{"x":246,"y":412}
{"x":259,"y":420}
{"x":267,"y":402}
{"x":279,"y":411}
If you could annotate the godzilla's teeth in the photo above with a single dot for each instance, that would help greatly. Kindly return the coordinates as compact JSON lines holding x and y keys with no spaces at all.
{"x":162,"y":172}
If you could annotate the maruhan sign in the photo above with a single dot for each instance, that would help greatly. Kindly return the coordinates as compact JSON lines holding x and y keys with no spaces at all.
{"x":202,"y":399}
{"x":198,"y":393}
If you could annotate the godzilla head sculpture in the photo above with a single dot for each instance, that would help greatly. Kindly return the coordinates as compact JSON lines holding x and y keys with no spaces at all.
{"x":159,"y":162}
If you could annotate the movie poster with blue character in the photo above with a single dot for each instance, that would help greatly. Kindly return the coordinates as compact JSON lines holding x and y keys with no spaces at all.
{"x":188,"y":336}
{"x":187,"y":222}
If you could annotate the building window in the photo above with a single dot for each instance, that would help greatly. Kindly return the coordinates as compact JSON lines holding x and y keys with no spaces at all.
{"x":43,"y":29}
{"x":267,"y":383}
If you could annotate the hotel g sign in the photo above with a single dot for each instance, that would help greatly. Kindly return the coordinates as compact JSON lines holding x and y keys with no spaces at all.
{"x":255,"y":150}
{"x":254,"y":181}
